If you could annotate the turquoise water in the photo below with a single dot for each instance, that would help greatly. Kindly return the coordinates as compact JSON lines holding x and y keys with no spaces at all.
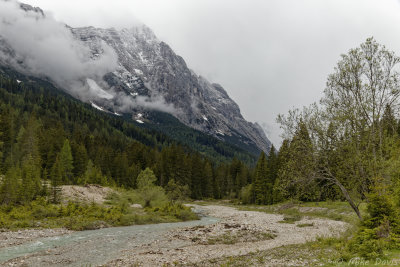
{"x":94,"y":247}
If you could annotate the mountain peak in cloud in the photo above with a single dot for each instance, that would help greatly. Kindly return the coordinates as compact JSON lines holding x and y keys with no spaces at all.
{"x":122,"y":71}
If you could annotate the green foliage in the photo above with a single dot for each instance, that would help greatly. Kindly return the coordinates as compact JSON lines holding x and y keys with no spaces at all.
{"x":177,"y":192}
{"x":146,"y":179}
{"x":66,"y":162}
{"x":161,"y":209}
{"x":296,"y":175}
{"x":82,"y":216}
{"x":301,"y":225}
{"x":260,"y":180}
{"x":367,"y":244}
{"x":380,"y":230}
{"x":291,"y":218}
{"x":92,"y":175}
{"x":265,"y":177}
{"x":10,"y":187}
{"x":68,"y":142}
{"x":150,"y":194}
{"x":246,"y":194}
{"x":230,"y":238}
{"x":56,"y":180}
{"x":177,"y":210}
{"x":215,"y":149}
{"x":74,"y":216}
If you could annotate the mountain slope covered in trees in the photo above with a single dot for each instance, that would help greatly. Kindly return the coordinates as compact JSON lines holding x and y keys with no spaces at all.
{"x":47,"y":135}
{"x":124,"y":71}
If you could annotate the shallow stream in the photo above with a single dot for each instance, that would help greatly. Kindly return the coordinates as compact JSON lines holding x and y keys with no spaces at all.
{"x":94,"y":247}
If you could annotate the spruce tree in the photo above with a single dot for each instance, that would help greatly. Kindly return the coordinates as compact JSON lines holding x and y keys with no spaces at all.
{"x":80,"y":159}
{"x":93,"y":175}
{"x":56,"y":180}
{"x":66,"y":162}
{"x":1,"y":143}
{"x":10,"y":186}
{"x":207,"y":181}
{"x":260,"y":180}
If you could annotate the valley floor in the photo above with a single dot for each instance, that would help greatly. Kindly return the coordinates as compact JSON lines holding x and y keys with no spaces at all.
{"x":210,"y":241}
{"x":237,"y":233}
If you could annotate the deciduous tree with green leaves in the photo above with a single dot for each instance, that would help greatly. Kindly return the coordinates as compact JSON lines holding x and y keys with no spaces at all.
{"x":347,"y":129}
{"x":148,"y":190}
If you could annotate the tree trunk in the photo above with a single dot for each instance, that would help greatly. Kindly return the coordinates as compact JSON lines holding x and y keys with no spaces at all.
{"x":348,"y":198}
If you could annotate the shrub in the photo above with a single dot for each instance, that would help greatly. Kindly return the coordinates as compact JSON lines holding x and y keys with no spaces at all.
{"x":380,"y":229}
{"x":246,"y":194}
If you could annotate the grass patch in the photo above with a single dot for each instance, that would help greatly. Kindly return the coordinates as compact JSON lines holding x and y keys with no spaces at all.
{"x":88,"y":216}
{"x":334,"y":210}
{"x":73,"y":215}
{"x":305,"y":225}
{"x":322,"y":252}
{"x":291,"y":218}
{"x":292,"y":255}
{"x":239,"y":236}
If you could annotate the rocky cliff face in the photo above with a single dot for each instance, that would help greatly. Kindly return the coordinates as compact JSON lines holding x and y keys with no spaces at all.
{"x":149,"y":67}
{"x":149,"y":75}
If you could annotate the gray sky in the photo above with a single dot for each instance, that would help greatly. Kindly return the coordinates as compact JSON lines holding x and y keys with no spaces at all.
{"x":270,"y":55}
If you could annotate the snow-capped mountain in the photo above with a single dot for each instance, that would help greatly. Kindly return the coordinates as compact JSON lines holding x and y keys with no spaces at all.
{"x":149,"y":75}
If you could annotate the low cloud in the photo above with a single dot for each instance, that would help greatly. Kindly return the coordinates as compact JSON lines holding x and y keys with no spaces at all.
{"x":125,"y":104}
{"x":37,"y":44}
{"x":45,"y":47}
{"x":267,"y":127}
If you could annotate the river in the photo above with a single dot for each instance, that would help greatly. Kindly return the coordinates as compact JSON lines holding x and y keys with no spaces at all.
{"x":94,"y":247}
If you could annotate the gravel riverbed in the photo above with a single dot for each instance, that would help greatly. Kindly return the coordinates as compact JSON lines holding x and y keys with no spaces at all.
{"x":224,"y":231}
{"x":14,"y":238}
{"x":234,"y":235}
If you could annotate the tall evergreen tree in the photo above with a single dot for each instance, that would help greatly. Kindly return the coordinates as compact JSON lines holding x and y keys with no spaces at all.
{"x":80,"y":160}
{"x":207,"y":180}
{"x":260,"y":180}
{"x":56,"y":176}
{"x":66,"y":162}
{"x":297,"y":174}
{"x":282,"y":159}
{"x":10,"y":186}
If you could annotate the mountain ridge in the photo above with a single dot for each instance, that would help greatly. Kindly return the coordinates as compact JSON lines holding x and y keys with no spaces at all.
{"x":149,"y":75}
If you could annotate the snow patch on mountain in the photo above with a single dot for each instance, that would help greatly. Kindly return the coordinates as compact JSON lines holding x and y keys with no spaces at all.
{"x":126,"y":71}
{"x":97,"y":107}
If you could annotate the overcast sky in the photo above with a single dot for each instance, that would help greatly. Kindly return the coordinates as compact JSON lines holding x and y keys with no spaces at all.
{"x":270,"y":56}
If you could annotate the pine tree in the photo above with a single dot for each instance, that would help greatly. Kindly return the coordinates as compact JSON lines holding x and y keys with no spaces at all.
{"x":207,"y":181}
{"x":260,"y":180}
{"x":80,"y":159}
{"x":93,"y":175}
{"x":66,"y":162}
{"x":1,"y":143}
{"x":56,"y":180}
{"x":272,"y":165}
{"x":10,"y":186}
{"x":31,"y":183}
{"x":28,"y":141}
{"x":296,"y":175}
{"x":196,"y":177}
{"x":283,"y":156}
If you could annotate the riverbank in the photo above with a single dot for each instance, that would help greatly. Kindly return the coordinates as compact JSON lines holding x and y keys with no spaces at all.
{"x":15,"y":238}
{"x":237,"y":233}
{"x":223,"y":232}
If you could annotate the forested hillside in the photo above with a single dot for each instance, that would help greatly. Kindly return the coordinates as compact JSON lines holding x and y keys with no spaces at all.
{"x":48,"y":136}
